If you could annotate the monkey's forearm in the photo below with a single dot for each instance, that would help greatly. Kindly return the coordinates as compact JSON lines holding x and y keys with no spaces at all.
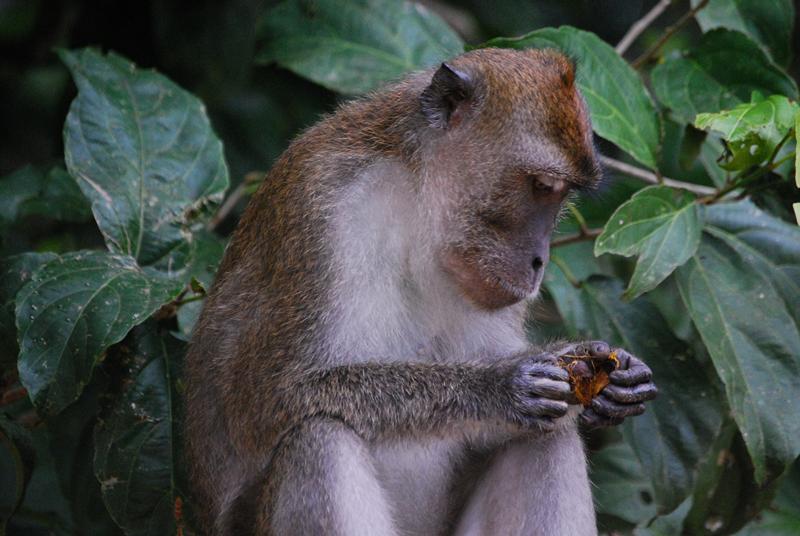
{"x":383,"y":400}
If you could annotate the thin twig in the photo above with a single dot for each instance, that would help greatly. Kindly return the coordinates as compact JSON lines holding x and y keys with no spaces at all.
{"x":652,"y":178}
{"x":589,"y":234}
{"x":641,"y":25}
{"x":234,"y":198}
{"x":669,"y":32}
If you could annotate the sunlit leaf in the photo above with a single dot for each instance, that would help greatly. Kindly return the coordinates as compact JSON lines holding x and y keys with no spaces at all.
{"x":659,"y":224}
{"x":752,"y":130}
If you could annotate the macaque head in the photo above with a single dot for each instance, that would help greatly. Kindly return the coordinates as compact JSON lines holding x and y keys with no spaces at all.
{"x":511,"y":140}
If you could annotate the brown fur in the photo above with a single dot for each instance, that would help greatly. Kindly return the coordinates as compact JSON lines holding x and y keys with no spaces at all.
{"x":256,"y":368}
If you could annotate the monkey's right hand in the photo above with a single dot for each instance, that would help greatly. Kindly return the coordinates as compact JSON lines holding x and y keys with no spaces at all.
{"x":539,"y":391}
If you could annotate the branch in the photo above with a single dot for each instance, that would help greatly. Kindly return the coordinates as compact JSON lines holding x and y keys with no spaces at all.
{"x":652,"y":178}
{"x":588,"y":234}
{"x":669,"y":32}
{"x":641,"y":25}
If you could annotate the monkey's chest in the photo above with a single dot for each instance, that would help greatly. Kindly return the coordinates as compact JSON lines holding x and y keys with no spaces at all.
{"x":417,"y":476}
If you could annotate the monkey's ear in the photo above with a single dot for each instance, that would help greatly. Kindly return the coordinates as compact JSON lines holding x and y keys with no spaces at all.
{"x":449,"y":87}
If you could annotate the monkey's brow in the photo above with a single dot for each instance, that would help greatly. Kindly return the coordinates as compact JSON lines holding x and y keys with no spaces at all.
{"x":572,"y":178}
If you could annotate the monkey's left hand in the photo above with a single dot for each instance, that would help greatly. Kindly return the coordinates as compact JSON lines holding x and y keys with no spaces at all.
{"x":630,"y":386}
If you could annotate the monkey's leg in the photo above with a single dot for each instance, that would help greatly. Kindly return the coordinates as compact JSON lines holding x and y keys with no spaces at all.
{"x":537,"y":486}
{"x":322,"y":481}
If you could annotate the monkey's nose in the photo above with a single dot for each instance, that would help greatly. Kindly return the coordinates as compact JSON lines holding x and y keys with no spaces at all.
{"x":537,"y":263}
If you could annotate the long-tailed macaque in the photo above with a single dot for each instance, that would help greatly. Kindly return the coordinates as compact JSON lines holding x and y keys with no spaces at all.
{"x":360,"y":366}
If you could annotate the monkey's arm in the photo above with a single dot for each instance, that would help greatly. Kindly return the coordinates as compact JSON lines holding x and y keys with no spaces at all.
{"x":395,"y":399}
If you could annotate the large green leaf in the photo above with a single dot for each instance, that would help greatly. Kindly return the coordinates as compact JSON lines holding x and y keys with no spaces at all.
{"x":16,"y":457}
{"x":675,"y":434}
{"x":621,"y":109}
{"x":783,"y":516}
{"x":620,"y":487}
{"x":136,"y":443}
{"x":723,"y":70}
{"x":733,"y":290}
{"x":356,"y":46}
{"x":768,"y":22}
{"x":71,"y":310}
{"x":143,"y":152}
{"x":659,"y":224}
{"x":31,"y":192}
{"x":769,"y":245}
{"x":752,"y":130}
{"x":207,"y":250}
{"x":15,"y":271}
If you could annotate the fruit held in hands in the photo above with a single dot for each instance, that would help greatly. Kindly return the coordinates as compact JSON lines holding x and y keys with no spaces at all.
{"x":588,"y":374}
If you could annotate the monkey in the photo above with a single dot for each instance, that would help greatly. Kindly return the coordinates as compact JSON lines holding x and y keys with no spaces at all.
{"x":361,"y":366}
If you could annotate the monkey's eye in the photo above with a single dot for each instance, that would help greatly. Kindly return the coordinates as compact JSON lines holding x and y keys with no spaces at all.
{"x":545,"y":184}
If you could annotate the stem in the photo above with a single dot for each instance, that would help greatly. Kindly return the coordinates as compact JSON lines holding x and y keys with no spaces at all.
{"x":235,"y":196}
{"x":589,"y":234}
{"x":641,"y":25}
{"x":652,"y":178}
{"x":669,"y":32}
{"x":579,"y":218}
{"x":566,"y":271}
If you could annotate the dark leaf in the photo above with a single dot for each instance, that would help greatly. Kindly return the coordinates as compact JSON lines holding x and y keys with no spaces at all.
{"x":72,"y":309}
{"x":356,"y":46}
{"x":143,"y":151}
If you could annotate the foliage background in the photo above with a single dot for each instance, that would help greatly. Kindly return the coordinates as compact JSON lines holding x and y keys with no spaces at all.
{"x":99,"y":296}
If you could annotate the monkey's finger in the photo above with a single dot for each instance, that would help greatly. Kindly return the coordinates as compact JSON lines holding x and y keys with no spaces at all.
{"x":553,"y":389}
{"x":593,"y":420}
{"x":630,"y":395}
{"x":636,"y":372}
{"x":599,"y":349}
{"x":609,"y":408}
{"x":543,"y":407}
{"x":546,"y":370}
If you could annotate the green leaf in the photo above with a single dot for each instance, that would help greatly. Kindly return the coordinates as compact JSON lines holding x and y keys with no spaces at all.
{"x":354,"y":47}
{"x":751,"y":337}
{"x":797,"y":150}
{"x":620,"y":487}
{"x":769,"y":245}
{"x":136,"y":444}
{"x":15,"y":271}
{"x":723,"y":70}
{"x":72,"y":309}
{"x":16,"y":456}
{"x":782,"y":518}
{"x":673,"y":437}
{"x":667,"y":525}
{"x":752,"y":130}
{"x":659,"y":224}
{"x":207,"y":250}
{"x":30,"y":192}
{"x":768,"y":22}
{"x":143,"y":151}
{"x":621,"y":109}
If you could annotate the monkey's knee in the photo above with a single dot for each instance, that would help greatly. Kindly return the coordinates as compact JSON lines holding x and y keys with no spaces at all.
{"x":322,"y":481}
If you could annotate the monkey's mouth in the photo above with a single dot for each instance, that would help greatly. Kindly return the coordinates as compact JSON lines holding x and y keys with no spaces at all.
{"x":485,"y":287}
